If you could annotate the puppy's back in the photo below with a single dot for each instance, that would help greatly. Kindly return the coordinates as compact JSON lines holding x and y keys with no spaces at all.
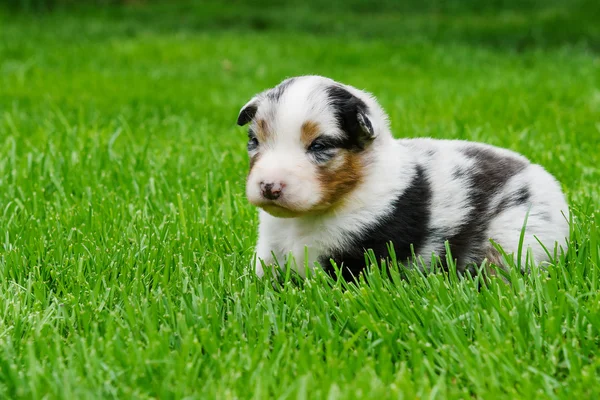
{"x":481,"y":192}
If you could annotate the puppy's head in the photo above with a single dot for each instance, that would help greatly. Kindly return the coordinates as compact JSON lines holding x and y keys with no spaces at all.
{"x":309,"y":140}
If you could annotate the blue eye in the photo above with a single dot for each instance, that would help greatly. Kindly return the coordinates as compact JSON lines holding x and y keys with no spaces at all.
{"x":252,"y":143}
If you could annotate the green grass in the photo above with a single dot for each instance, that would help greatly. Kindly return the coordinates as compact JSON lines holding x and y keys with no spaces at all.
{"x":125,"y":235}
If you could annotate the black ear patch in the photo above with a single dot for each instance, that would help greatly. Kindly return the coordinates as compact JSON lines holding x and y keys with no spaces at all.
{"x":247,"y":113}
{"x":351,"y":115}
{"x":365,"y":124}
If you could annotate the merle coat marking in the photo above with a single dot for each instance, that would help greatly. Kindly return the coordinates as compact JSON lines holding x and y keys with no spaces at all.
{"x":415,"y":193}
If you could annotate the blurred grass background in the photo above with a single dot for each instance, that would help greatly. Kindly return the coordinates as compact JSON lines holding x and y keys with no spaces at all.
{"x":516,"y":24}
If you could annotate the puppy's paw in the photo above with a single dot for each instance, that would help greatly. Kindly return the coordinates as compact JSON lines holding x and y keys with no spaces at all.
{"x":258,"y":268}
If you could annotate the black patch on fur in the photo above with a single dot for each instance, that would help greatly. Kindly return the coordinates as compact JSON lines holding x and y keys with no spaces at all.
{"x":278,"y":91}
{"x":407,"y":224}
{"x":488,"y":176}
{"x":459,"y":172}
{"x":514,"y":199}
{"x":247,"y":114}
{"x":346,"y":107}
{"x":522,"y":196}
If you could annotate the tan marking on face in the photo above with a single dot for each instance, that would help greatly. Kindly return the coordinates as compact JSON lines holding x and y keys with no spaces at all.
{"x":309,"y":131}
{"x":253,"y":161}
{"x":262,"y":130}
{"x":339,"y":180}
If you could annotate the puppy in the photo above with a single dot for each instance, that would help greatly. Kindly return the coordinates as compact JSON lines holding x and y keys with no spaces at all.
{"x":332,"y":182}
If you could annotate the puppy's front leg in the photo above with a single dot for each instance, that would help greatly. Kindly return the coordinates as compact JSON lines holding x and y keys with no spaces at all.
{"x":263,"y":255}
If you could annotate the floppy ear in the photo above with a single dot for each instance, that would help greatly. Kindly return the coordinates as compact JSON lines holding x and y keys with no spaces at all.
{"x":248,"y":112}
{"x":365,"y":125}
{"x":352,"y":116}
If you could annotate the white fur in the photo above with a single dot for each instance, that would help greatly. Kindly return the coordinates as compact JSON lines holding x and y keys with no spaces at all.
{"x":388,"y":172}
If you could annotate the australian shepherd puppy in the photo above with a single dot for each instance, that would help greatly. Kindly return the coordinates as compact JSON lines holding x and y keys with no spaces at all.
{"x":332,"y":182}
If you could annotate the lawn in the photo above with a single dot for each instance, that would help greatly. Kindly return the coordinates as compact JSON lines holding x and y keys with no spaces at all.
{"x":126,"y":237}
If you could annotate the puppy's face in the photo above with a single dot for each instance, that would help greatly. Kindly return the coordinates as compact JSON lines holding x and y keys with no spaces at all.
{"x":308,"y":140}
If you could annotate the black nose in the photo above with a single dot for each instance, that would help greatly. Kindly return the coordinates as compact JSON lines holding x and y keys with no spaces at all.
{"x":270,"y":190}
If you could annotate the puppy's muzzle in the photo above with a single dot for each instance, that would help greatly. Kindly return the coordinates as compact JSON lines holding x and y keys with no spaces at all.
{"x":271,"y":191}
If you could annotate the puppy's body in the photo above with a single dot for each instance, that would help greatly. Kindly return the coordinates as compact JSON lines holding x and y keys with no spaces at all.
{"x":365,"y":189}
